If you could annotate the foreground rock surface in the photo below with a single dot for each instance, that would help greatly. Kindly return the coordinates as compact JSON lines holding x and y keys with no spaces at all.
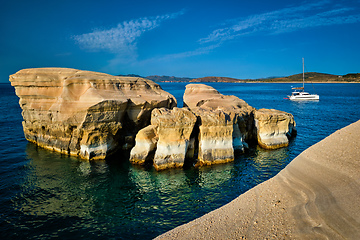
{"x":83,"y":113}
{"x":314,"y":197}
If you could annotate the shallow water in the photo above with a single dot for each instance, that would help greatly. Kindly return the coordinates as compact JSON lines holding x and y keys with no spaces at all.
{"x":46,"y":195}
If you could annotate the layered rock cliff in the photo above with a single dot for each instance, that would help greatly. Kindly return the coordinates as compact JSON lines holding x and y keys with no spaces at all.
{"x":83,"y":113}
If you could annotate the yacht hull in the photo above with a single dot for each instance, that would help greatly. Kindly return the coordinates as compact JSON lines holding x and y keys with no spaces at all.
{"x":302,"y":98}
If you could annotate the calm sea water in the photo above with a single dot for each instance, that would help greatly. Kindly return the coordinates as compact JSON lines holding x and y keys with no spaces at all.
{"x":46,"y":195}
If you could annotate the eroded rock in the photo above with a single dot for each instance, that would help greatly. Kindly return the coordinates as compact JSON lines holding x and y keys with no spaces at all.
{"x":221,"y":116}
{"x":146,"y":141}
{"x":225,"y":123}
{"x":92,"y":115}
{"x":216,"y":129}
{"x":169,"y":133}
{"x":274,"y":128}
{"x":83,"y":113}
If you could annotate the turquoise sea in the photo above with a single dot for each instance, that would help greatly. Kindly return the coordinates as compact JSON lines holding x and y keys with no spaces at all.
{"x":45,"y":195}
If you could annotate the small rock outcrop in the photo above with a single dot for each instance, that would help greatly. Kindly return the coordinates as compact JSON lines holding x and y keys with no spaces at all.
{"x":169,"y":133}
{"x":174,"y":131}
{"x":144,"y":149}
{"x":216,"y":129}
{"x":83,"y":113}
{"x":274,"y":128}
{"x":225,"y":123}
{"x":269,"y":127}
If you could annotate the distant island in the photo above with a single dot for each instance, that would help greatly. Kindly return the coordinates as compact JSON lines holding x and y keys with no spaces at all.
{"x":309,"y":77}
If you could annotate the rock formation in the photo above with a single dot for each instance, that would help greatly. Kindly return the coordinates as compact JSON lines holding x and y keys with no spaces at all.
{"x":273,"y":128}
{"x":225,"y":123}
{"x":92,"y":115}
{"x":146,"y":141}
{"x":174,"y":130}
{"x":83,"y":113}
{"x":224,"y":116}
{"x":216,"y":129}
{"x":169,"y":133}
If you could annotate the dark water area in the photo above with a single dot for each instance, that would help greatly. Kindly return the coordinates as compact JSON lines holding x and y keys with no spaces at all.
{"x":46,"y":195}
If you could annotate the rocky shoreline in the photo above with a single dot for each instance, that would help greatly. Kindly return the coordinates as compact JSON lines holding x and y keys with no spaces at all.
{"x":94,"y":115}
{"x":314,"y":197}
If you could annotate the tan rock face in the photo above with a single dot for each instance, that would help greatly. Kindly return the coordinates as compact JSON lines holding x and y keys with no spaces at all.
{"x":83,"y":113}
{"x":146,"y":141}
{"x":215,"y":137}
{"x":172,"y":130}
{"x":225,"y":123}
{"x":273,"y":128}
{"x":92,"y":115}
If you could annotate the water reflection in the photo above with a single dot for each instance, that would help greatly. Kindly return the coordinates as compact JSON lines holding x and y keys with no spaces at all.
{"x":53,"y":188}
{"x":114,"y":198}
{"x":269,"y":162}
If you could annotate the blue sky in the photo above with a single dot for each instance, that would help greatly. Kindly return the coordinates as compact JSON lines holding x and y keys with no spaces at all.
{"x":241,"y":39}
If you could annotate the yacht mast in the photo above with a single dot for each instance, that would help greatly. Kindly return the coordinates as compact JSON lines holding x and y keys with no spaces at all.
{"x":303,"y":73}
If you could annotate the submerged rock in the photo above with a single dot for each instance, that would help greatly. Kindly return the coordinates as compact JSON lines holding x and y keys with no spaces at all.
{"x":83,"y":113}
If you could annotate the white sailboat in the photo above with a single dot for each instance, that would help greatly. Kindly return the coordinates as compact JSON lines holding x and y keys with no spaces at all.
{"x":302,"y":95}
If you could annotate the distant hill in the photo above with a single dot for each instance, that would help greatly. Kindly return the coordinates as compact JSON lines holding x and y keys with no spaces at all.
{"x":352,"y":76}
{"x":216,"y":79}
{"x":157,"y":78}
{"x":315,"y":77}
{"x":130,"y":75}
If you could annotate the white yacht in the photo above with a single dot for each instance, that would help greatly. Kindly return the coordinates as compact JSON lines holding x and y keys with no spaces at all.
{"x":302,"y":95}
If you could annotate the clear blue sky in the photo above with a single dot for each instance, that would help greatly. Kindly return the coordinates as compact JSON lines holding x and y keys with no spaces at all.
{"x":187,"y":38}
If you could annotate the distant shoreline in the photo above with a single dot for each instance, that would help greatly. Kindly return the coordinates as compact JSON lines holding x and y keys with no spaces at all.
{"x":255,"y":82}
{"x":305,"y":82}
{"x":310,"y":77}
